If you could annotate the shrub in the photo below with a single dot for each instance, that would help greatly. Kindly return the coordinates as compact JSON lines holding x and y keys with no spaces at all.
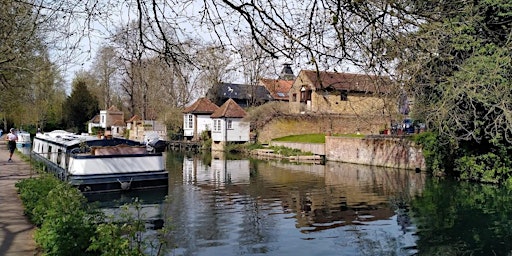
{"x":68,"y":226}
{"x":33,"y":193}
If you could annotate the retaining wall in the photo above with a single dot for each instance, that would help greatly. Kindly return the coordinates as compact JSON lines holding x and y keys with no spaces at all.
{"x":395,"y":152}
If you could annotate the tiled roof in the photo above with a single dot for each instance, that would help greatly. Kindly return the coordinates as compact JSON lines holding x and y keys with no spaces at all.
{"x":134,"y":118}
{"x":241,"y":91}
{"x":95,"y":119}
{"x":278,"y":88}
{"x":229,"y":109}
{"x":201,"y":106}
{"x":347,"y":81}
{"x":113,"y":109}
{"x":119,"y":123}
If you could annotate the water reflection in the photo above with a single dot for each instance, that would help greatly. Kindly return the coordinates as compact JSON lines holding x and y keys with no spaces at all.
{"x":234,"y":207}
{"x":460,"y":218}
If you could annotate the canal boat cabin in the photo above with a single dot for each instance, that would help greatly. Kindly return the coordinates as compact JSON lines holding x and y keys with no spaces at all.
{"x":97,"y":164}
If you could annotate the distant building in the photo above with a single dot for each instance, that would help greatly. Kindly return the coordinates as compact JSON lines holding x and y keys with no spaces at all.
{"x":140,"y":130}
{"x":243,"y":94}
{"x":110,"y":121}
{"x":340,"y":93}
{"x":228,"y":125}
{"x":196,"y":118}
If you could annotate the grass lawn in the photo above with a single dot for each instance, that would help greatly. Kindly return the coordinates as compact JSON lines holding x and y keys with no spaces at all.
{"x":313,"y":138}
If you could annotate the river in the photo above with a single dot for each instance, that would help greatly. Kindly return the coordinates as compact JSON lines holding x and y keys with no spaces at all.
{"x":253,"y":207}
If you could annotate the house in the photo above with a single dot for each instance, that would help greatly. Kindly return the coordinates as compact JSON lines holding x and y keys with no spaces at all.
{"x":196,"y":118}
{"x":110,"y":121}
{"x":279,"y":88}
{"x":228,"y":125}
{"x":141,"y":130}
{"x":243,"y":94}
{"x":341,"y":93}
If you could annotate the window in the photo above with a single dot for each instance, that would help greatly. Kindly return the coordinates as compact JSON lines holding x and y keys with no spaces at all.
{"x":344,"y":95}
{"x":189,"y":122}
{"x":59,"y":156}
{"x":216,"y":125}
{"x":229,"y":124}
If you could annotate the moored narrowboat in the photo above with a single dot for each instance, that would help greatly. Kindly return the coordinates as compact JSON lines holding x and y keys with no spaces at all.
{"x":97,"y":164}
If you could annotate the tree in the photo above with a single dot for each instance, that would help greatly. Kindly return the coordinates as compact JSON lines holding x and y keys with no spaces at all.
{"x":104,"y":69}
{"x":80,"y":107}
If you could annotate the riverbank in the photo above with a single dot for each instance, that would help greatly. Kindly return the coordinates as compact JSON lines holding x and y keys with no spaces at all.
{"x":17,"y":232}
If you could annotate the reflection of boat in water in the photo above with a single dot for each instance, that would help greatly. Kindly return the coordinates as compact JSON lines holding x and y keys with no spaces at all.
{"x":146,"y":204}
{"x":93,"y":164}
{"x":24,"y":142}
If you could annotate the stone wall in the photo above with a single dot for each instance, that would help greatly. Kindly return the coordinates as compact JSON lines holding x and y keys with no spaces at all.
{"x":326,"y":124}
{"x":387,"y":151}
{"x":396,"y":152}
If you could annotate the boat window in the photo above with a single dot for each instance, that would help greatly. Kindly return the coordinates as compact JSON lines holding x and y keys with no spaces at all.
{"x":59,"y":156}
{"x":48,"y":154}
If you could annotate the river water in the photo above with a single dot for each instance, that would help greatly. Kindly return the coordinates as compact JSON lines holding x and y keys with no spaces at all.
{"x":253,"y":207}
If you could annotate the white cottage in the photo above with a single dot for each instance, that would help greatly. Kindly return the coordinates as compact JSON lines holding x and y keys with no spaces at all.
{"x":228,"y":125}
{"x":196,"y":118}
{"x":111,"y":121}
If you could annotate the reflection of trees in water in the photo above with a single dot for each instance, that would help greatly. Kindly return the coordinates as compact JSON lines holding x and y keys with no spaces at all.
{"x":461,"y":218}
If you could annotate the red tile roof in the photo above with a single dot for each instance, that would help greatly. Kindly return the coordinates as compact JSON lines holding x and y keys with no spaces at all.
{"x":201,"y":106}
{"x":134,"y":118}
{"x":113,"y":109}
{"x":347,"y":81}
{"x":229,"y":109}
{"x":278,"y":88}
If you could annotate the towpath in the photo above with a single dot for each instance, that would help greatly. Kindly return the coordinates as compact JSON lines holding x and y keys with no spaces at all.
{"x":16,"y":232}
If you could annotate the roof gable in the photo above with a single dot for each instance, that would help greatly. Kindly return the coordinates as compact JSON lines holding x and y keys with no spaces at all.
{"x":345,"y":81}
{"x":134,"y":118}
{"x":201,"y":106}
{"x":229,"y":109}
{"x":113,"y":109}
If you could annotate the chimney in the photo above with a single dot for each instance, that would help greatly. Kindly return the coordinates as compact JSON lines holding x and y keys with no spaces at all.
{"x":287,"y":72}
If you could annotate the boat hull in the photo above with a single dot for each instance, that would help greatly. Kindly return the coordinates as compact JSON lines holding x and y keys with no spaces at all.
{"x":107,"y":182}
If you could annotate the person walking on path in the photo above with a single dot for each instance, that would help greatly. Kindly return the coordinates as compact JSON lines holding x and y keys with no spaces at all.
{"x":16,"y":231}
{"x":11,"y":139}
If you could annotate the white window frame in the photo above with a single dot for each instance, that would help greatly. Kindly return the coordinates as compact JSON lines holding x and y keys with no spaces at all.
{"x":190,"y":121}
{"x":216,"y":125}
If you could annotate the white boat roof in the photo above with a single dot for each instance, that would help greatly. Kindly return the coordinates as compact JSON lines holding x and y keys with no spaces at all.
{"x":65,"y":138}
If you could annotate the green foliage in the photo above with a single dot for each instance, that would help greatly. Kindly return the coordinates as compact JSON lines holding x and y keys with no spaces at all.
{"x":461,"y":86}
{"x":80,"y":106}
{"x":306,"y":138}
{"x":236,"y":147}
{"x":436,"y":153}
{"x":285,"y":151}
{"x":124,"y":235}
{"x":67,"y":226}
{"x":33,"y":192}
{"x":454,"y":216}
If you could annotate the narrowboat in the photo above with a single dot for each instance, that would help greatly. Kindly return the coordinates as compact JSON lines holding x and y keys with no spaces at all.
{"x":95,"y":164}
{"x":24,"y":139}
